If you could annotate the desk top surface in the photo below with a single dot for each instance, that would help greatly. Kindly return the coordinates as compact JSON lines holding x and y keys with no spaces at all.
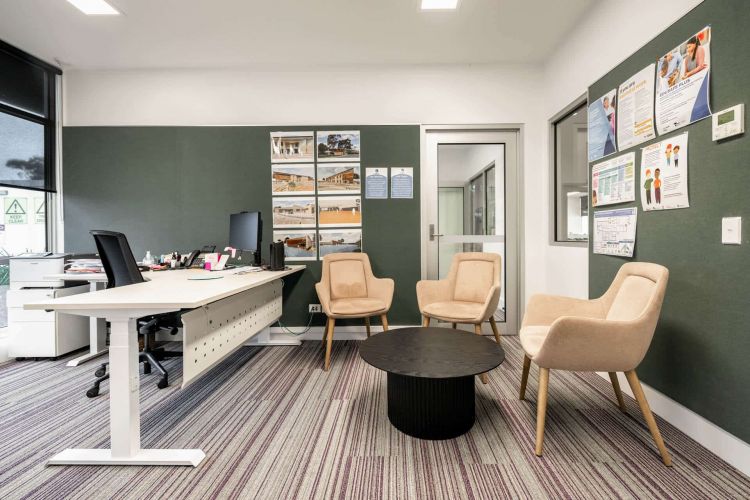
{"x":431,"y":352}
{"x":179,"y":289}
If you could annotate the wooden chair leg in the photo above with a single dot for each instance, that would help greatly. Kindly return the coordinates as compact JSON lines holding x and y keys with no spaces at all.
{"x":367,"y":326}
{"x":384,"y":320}
{"x":453,"y":325}
{"x":635,"y":385}
{"x":325,"y":333}
{"x":329,"y":342}
{"x":483,"y":376}
{"x":618,"y":392}
{"x":494,"y":329}
{"x":541,"y":409}
{"x":524,"y":376}
{"x":425,"y":321}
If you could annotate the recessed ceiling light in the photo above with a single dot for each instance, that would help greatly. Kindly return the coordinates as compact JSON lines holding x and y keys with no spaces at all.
{"x":95,"y":7}
{"x":439,"y":4}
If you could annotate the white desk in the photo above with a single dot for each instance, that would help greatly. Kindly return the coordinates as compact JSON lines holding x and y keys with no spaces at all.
{"x":97,"y":326}
{"x":224,"y":314}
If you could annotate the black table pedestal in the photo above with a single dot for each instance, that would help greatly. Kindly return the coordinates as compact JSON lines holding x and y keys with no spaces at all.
{"x":431,"y":408}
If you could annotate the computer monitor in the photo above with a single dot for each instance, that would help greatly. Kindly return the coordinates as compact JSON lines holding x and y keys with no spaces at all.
{"x":245,"y":231}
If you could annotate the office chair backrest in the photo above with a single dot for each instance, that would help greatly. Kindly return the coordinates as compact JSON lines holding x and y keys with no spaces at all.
{"x":117,"y":259}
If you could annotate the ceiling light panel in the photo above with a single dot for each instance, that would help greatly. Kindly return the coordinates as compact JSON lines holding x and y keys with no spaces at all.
{"x":439,"y":4}
{"x":94,"y":7}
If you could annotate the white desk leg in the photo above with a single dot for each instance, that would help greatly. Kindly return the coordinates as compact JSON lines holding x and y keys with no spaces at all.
{"x":124,"y":412}
{"x":97,"y":333}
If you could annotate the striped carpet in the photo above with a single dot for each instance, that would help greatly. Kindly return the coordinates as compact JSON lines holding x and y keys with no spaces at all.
{"x":275,"y":426}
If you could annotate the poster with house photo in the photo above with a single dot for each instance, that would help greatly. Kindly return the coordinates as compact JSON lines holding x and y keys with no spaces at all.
{"x":339,"y":211}
{"x":293,"y":179}
{"x":296,"y":147}
{"x":340,"y":241}
{"x":292,"y":212}
{"x":338,"y":145}
{"x":298,"y":245}
{"x":339,"y":178}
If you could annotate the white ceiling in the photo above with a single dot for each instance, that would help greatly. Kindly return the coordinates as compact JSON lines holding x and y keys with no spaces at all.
{"x":289,"y":34}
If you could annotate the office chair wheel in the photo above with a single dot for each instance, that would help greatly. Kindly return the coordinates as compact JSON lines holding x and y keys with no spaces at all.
{"x":163,"y":382}
{"x":146,"y":367}
{"x":92,"y":393}
{"x":100,"y":371}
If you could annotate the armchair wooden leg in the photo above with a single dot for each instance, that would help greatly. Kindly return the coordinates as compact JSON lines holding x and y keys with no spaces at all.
{"x":524,"y":376}
{"x":367,"y":326}
{"x":325,"y":333}
{"x":635,"y":385}
{"x":453,"y":325}
{"x":494,"y":329}
{"x":618,"y":392}
{"x":541,"y":409}
{"x":425,"y":321}
{"x":483,"y":376}
{"x":329,"y":341}
{"x":384,"y":320}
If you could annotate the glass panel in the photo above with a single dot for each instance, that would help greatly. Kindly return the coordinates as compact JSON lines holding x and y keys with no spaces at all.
{"x":21,"y":152}
{"x":571,"y":177}
{"x":471,"y":204}
{"x":22,"y":85}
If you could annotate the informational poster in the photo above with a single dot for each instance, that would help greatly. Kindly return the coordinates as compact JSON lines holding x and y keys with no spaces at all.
{"x":613,"y":181}
{"x":664,"y":174}
{"x":376,"y":183}
{"x":635,"y":109}
{"x":602,"y":120}
{"x":614,"y":231}
{"x":682,"y":82}
{"x":39,"y":211}
{"x":16,"y":210}
{"x":402,"y":182}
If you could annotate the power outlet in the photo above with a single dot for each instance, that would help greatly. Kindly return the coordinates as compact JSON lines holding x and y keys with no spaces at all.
{"x":314,"y":308}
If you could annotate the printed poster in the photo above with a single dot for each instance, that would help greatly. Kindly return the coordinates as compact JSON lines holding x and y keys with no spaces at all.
{"x":402,"y":182}
{"x":376,"y":183}
{"x":682,"y":80}
{"x":613,"y":181}
{"x":614,"y":231}
{"x":16,"y":210}
{"x":635,"y":109}
{"x":602,"y":119}
{"x":664,"y":174}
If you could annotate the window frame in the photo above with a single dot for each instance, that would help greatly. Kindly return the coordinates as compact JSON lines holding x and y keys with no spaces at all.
{"x":580,"y":102}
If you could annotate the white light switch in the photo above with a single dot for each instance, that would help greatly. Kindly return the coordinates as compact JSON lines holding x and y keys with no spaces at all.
{"x":731,"y":230}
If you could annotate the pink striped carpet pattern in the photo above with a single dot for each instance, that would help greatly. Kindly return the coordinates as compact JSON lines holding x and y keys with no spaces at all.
{"x":275,"y":426}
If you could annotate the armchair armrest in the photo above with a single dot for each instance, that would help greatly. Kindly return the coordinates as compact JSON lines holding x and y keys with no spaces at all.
{"x":430,"y":291}
{"x":324,"y":295}
{"x":490,"y":303}
{"x":382,"y":288}
{"x":543,"y":310}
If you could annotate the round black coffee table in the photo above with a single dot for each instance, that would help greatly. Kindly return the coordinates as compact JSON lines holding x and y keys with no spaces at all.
{"x":431,"y":377}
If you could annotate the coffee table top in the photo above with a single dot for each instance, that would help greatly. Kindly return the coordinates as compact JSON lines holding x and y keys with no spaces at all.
{"x":431,"y":352}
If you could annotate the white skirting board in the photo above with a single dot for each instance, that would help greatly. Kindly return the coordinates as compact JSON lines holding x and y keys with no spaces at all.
{"x":726,"y":446}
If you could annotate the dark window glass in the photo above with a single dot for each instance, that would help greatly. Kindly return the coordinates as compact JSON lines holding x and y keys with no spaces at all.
{"x":22,"y":158}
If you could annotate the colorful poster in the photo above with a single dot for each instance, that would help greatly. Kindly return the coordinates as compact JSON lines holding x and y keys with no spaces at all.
{"x":602,"y":119}
{"x":338,"y":145}
{"x":614,"y":231}
{"x":292,"y":147}
{"x":682,"y":77}
{"x":613,"y":181}
{"x":338,"y":178}
{"x":664,"y":174}
{"x":340,"y":240}
{"x":635,"y":109}
{"x":376,"y":183}
{"x":402,"y":182}
{"x":339,"y":211}
{"x":298,"y":245}
{"x":293,"y":179}
{"x":293,"y":212}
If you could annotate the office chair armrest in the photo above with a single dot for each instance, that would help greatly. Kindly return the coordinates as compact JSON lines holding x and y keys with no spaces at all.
{"x":543,"y":310}
{"x":430,"y":291}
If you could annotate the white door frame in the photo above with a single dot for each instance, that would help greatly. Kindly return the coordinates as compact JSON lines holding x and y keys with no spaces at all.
{"x":426,"y":196}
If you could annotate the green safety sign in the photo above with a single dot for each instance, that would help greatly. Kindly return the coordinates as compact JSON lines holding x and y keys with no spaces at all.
{"x":15,"y":210}
{"x":40,"y":208}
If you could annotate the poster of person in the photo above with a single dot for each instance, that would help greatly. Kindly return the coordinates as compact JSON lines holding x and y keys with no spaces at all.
{"x":293,"y":212}
{"x":682,"y":83}
{"x":602,"y":122}
{"x":664,"y":174}
{"x":298,"y":245}
{"x":340,"y":240}
{"x":340,"y":211}
{"x":338,"y":178}
{"x":338,"y":145}
{"x":292,"y":147}
{"x":293,"y":179}
{"x":635,"y":109}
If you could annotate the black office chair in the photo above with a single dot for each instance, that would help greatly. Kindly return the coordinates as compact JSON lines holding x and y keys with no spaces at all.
{"x":122,"y":270}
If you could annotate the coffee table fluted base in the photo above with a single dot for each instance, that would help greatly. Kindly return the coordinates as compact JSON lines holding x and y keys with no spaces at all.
{"x":431,"y":408}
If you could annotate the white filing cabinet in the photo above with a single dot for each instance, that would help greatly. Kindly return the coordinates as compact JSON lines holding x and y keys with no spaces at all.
{"x":42,"y":334}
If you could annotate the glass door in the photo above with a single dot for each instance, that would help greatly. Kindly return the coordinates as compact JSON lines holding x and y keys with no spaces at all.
{"x":471,"y":207}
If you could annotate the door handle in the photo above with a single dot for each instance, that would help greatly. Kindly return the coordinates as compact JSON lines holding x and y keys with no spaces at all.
{"x":432,"y":233}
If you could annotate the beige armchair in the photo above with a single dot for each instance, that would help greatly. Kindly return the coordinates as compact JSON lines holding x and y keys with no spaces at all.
{"x":609,"y":334}
{"x":469,"y":294}
{"x":348,"y":289}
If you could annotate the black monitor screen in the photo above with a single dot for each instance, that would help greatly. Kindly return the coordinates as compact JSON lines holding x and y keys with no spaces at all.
{"x":244,"y":231}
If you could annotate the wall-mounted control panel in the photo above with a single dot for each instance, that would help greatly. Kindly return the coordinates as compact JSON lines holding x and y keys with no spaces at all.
{"x":728,"y":123}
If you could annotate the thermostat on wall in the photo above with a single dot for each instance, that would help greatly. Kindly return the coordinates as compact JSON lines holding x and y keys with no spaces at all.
{"x":729,"y":122}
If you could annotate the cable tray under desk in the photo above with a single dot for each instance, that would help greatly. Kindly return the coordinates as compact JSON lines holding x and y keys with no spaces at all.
{"x":212,"y":332}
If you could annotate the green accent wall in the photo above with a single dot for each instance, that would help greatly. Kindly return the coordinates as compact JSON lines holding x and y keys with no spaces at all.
{"x":173,"y":188}
{"x":700,"y":352}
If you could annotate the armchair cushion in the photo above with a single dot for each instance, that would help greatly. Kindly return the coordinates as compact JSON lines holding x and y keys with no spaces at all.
{"x":357,"y":306}
{"x":473,"y":279}
{"x":456,"y":311}
{"x":631,"y":299}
